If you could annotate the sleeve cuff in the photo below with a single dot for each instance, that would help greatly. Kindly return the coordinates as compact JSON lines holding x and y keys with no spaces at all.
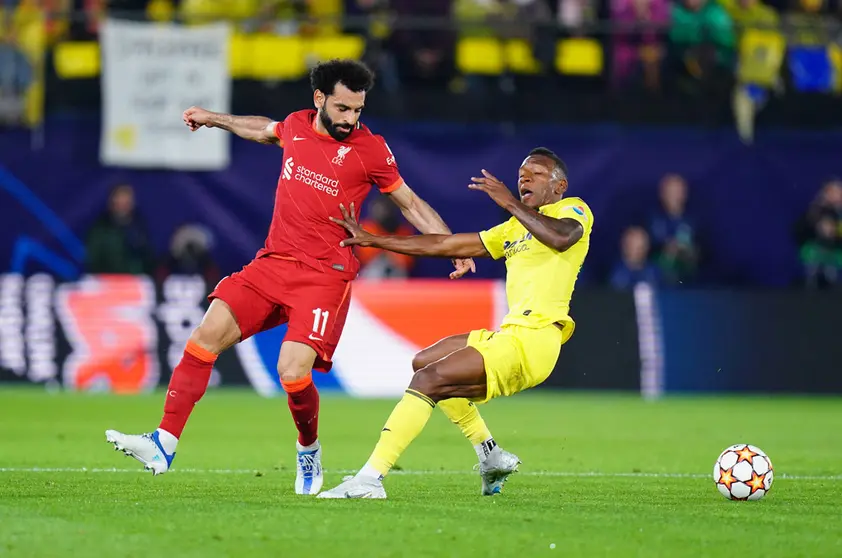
{"x":484,"y":245}
{"x":394,"y":186}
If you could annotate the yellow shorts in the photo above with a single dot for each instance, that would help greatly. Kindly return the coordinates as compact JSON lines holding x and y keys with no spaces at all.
{"x":517,"y":357}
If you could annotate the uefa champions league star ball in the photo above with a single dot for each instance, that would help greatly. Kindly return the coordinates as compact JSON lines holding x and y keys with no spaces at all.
{"x":743,"y":472}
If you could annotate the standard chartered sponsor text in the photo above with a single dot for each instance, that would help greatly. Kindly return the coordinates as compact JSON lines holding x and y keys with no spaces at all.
{"x":317,"y":180}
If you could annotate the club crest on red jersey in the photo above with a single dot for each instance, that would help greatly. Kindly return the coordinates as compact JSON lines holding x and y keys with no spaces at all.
{"x":340,"y":154}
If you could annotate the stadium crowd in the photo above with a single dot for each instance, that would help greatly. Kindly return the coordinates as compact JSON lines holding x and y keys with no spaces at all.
{"x":664,"y":247}
{"x":745,"y":49}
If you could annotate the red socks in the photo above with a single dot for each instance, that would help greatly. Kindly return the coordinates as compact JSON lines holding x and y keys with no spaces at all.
{"x":303,"y":400}
{"x":188,"y":384}
{"x":190,"y":381}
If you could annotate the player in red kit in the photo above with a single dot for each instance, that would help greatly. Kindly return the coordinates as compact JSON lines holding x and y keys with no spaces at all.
{"x":301,"y":276}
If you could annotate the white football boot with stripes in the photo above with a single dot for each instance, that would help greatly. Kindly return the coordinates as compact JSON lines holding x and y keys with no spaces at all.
{"x":146,"y":448}
{"x":496,"y":469}
{"x":308,"y":470}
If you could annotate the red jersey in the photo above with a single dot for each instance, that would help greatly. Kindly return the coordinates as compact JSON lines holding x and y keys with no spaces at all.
{"x":318,"y":174}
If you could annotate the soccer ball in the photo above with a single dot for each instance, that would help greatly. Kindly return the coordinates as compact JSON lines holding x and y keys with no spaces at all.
{"x":743,"y":472}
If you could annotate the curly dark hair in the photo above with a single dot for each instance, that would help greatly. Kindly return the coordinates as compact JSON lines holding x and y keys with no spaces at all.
{"x":353,"y":74}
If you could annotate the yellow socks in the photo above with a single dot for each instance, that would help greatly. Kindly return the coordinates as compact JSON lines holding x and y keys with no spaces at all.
{"x":465,"y":415}
{"x":404,"y":424}
{"x":408,"y":420}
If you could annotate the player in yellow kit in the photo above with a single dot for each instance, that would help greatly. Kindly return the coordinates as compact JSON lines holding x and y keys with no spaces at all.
{"x":544,"y":243}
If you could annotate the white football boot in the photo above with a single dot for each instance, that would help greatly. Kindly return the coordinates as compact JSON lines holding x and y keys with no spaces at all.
{"x":308,"y":470}
{"x":496,"y":469}
{"x":357,"y":487}
{"x":146,"y":448}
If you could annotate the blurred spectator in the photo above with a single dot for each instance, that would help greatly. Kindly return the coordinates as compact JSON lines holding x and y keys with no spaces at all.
{"x":808,"y":25}
{"x":20,"y":39}
{"x":384,"y":219}
{"x":424,"y":55}
{"x":827,"y":203}
{"x":822,"y":255}
{"x":641,"y":47}
{"x":15,"y":78}
{"x":536,"y":27}
{"x":479,"y":18}
{"x":371,"y":18}
{"x":811,"y":67}
{"x":750,"y":14}
{"x":574,"y":15}
{"x":525,"y":21}
{"x":702,"y":39}
{"x":761,"y":57}
{"x":190,"y":254}
{"x":819,"y":236}
{"x":634,"y":266}
{"x":118,"y":241}
{"x":674,"y":233}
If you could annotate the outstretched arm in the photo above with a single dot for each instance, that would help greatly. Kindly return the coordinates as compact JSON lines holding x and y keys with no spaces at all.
{"x":465,"y":245}
{"x":424,"y":218}
{"x":559,"y":234}
{"x":254,"y":128}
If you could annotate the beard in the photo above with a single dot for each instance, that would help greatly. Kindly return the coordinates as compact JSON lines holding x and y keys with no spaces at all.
{"x":336,"y":132}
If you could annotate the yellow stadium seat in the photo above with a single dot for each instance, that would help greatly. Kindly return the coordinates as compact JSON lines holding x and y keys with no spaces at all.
{"x":239,"y":55}
{"x":761,"y":56}
{"x":519,"y":57}
{"x":480,"y":55}
{"x":76,"y":59}
{"x":335,"y":46}
{"x":272,"y":57}
{"x":579,"y":56}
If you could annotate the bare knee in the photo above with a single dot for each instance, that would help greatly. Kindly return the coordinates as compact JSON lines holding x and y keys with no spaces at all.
{"x":420,"y":360}
{"x":210,"y":338}
{"x":295,"y":361}
{"x":291,"y":372}
{"x":428,"y":381}
{"x":219,"y":329}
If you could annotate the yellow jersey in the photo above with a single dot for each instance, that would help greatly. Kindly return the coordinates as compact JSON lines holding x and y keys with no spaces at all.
{"x":539,"y":279}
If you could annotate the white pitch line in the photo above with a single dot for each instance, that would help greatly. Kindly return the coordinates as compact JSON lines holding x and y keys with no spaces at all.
{"x":571,"y":474}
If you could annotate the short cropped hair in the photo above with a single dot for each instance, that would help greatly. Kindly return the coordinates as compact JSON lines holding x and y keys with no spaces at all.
{"x":550,"y":154}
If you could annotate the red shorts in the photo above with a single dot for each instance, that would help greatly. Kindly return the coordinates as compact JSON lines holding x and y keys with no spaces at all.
{"x":270,"y":291}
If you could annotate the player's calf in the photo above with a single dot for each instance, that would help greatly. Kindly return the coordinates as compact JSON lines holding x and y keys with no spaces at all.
{"x":189,"y":382}
{"x":295,"y":363}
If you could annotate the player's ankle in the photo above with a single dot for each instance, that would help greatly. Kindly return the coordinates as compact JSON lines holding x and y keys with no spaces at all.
{"x":369,"y":472}
{"x":485,"y":448}
{"x":309,"y":447}
{"x":168,"y":441}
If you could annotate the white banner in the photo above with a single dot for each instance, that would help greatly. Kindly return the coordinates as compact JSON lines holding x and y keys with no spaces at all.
{"x":151,"y":73}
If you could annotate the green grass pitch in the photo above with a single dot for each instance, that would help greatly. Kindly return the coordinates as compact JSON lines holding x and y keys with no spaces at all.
{"x":602,"y":475}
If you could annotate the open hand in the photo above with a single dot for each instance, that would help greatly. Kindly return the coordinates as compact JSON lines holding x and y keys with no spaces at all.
{"x":359,"y":236}
{"x":463,"y":266}
{"x":495,"y":189}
